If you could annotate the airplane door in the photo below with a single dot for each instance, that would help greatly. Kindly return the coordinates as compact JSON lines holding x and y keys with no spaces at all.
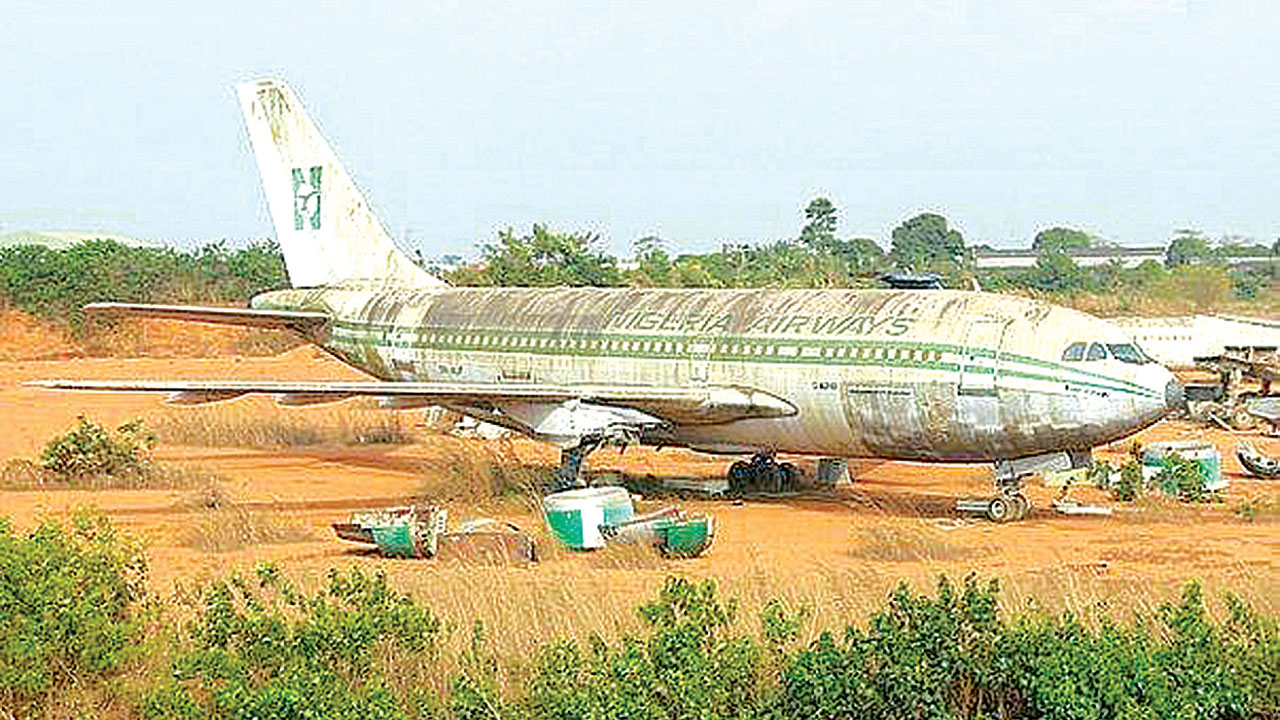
{"x":977,"y":392}
{"x":698,"y":350}
{"x":980,"y":365}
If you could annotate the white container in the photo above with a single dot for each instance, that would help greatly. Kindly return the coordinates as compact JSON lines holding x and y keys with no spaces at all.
{"x":575,"y":516}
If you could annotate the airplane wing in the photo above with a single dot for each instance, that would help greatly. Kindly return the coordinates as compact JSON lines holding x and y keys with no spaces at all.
{"x":301,"y":322}
{"x":676,"y":405}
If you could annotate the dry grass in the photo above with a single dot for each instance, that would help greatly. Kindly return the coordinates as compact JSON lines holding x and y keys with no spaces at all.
{"x":630,"y":557}
{"x":23,"y":337}
{"x":222,"y":525}
{"x":481,"y":473}
{"x":523,"y":609}
{"x":258,"y":425}
{"x":174,"y":338}
{"x":915,"y":543}
{"x":24,"y":474}
{"x":1259,"y":507}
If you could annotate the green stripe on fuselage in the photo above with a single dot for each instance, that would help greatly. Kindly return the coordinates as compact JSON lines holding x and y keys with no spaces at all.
{"x":722,"y":348}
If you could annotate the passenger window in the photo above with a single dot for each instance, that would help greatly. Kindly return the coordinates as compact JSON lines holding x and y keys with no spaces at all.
{"x":1074,"y":352}
{"x":1097,"y":352}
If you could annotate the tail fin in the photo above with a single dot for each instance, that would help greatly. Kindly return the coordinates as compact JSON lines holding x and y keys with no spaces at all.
{"x":324,"y":225}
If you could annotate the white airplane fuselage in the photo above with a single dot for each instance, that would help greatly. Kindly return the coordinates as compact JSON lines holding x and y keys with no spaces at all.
{"x":919,"y":375}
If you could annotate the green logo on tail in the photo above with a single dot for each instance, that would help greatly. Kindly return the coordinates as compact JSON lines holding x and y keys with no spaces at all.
{"x":306,"y":199}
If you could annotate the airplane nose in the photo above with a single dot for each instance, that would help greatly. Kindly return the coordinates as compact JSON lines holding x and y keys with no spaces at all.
{"x":1175,"y":396}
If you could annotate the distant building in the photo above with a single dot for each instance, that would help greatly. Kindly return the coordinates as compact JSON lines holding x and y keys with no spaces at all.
{"x":988,"y":258}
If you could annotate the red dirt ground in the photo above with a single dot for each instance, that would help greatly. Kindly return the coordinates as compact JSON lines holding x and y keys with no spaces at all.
{"x":838,"y":552}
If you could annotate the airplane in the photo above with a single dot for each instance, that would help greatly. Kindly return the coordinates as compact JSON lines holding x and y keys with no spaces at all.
{"x":924,"y":375}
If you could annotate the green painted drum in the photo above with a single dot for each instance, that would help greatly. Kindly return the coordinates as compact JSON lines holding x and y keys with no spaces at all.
{"x":1159,"y":455}
{"x":575,"y":516}
{"x":685,"y":537}
{"x":394,"y":539}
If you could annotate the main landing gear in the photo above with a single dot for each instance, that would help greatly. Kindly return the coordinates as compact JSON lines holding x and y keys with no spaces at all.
{"x":569,"y":475}
{"x":762,"y":474}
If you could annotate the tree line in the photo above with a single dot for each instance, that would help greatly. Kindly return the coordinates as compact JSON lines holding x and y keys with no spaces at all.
{"x":818,"y":258}
{"x":55,"y":284}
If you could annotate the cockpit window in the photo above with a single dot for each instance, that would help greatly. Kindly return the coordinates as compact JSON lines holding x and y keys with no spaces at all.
{"x":1126,"y":352}
{"x":1096,"y":352}
{"x":1074,"y":352}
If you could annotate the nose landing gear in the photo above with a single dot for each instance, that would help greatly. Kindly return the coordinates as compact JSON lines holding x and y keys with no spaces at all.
{"x":1009,"y":504}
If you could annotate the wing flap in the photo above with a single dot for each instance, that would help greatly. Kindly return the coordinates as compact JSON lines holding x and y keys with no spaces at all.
{"x":681,"y":406}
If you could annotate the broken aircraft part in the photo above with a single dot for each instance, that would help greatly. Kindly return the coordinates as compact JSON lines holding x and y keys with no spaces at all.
{"x":1263,"y":466}
{"x":422,"y":532}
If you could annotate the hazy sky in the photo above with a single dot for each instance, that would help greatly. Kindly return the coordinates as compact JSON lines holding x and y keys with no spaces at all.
{"x":699,"y":121}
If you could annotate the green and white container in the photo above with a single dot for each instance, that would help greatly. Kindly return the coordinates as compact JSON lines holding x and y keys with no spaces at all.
{"x":395,"y":540}
{"x":575,"y":516}
{"x":1159,"y":455}
{"x":685,"y":536}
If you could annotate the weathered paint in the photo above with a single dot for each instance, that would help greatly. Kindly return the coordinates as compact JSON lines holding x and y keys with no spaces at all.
{"x":936,"y":375}
{"x":927,"y":375}
{"x":323,"y":222}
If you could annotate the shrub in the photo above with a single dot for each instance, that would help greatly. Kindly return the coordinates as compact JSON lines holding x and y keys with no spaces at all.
{"x":56,"y":283}
{"x":68,"y":608}
{"x":690,"y":665}
{"x":921,"y":657}
{"x":265,"y":649}
{"x":1185,"y":476}
{"x":1130,"y":483}
{"x":89,"y":452}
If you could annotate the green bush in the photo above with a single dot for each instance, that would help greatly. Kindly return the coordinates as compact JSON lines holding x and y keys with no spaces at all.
{"x":689,"y":666}
{"x":88,"y":452}
{"x":261,"y":648}
{"x":920,"y":657}
{"x":56,"y":283}
{"x":68,"y":608}
{"x":1131,"y":482}
{"x":266,"y":650}
{"x":1185,"y":476}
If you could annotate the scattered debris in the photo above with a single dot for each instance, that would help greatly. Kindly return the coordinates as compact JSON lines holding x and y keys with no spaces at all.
{"x":420,"y":532}
{"x":1241,"y":396}
{"x":1158,"y":457}
{"x":1257,"y":463}
{"x":469,"y":427}
{"x":575,"y":516}
{"x":588,"y":518}
{"x":1071,"y":507}
{"x":701,"y":485}
{"x":669,"y":531}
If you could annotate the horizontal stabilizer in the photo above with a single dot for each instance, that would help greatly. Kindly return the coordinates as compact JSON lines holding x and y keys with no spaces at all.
{"x":300,"y":322}
{"x":681,"y":406}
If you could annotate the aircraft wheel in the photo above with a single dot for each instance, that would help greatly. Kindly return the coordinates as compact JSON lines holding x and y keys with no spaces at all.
{"x":1021,"y":506}
{"x":1000,"y":510}
{"x":787,"y":477}
{"x":1242,"y":420}
{"x":740,"y":476}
